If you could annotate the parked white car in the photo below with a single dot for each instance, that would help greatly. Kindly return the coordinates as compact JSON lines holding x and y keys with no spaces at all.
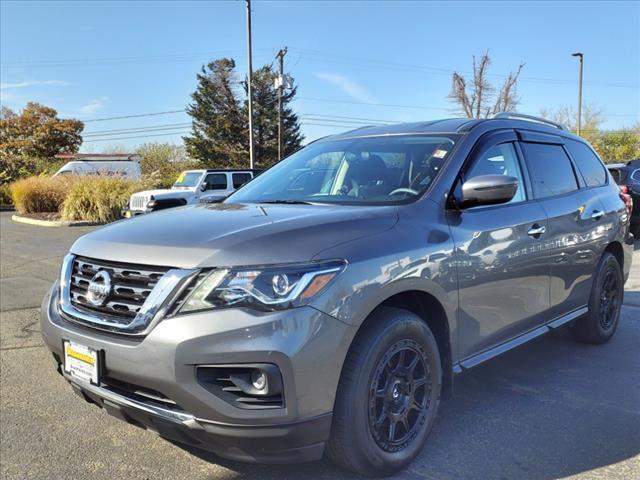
{"x":128,"y":167}
{"x":190,"y":186}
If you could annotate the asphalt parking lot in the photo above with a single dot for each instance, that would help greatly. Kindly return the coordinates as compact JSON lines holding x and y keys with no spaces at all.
{"x":551,"y":409}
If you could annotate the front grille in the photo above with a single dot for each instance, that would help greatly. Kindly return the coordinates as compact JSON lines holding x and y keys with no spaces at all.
{"x":137,"y":202}
{"x":131,"y":285}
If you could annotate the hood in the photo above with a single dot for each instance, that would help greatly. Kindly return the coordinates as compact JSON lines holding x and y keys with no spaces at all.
{"x":163,"y":193}
{"x":233,"y":234}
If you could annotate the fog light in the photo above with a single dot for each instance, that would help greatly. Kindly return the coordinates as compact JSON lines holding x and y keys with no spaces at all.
{"x":258,"y":380}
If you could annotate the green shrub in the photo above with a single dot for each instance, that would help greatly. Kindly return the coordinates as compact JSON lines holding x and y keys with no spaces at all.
{"x":14,"y":168}
{"x":161,"y":163}
{"x":40,"y":194}
{"x":5,"y":196}
{"x":98,"y":199}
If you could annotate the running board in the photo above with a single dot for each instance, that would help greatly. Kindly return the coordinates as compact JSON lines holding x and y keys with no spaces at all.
{"x":516,"y":342}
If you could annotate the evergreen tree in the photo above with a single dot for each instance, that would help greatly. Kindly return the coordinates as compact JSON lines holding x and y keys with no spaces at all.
{"x":265,"y":118}
{"x":218,"y":125}
{"x":220,"y":132}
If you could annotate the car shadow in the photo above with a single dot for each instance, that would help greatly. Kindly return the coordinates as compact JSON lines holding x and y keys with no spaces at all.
{"x":550,"y":409}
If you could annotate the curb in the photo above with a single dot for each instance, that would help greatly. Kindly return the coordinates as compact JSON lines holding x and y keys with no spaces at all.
{"x":52,"y":223}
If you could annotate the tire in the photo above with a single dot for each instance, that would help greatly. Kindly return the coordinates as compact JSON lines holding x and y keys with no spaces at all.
{"x":373,"y":386}
{"x":605,"y":304}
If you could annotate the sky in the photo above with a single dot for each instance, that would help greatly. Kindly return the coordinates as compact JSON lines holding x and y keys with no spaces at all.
{"x":354,"y":62}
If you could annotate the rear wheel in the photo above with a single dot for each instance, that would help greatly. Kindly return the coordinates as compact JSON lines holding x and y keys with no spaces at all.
{"x":388,"y":395}
{"x":605,"y":303}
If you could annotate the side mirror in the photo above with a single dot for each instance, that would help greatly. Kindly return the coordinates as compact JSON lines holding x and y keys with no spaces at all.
{"x":488,"y":190}
{"x":203,"y":187}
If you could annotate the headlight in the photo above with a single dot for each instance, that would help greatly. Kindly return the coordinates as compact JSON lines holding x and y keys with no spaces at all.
{"x":263,"y":288}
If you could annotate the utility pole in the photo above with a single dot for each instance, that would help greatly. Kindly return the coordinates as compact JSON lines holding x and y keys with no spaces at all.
{"x":250,"y":85}
{"x":280,"y":57}
{"x":581,"y":58}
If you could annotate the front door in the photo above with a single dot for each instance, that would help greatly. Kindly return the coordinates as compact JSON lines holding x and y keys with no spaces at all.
{"x":503,"y":271}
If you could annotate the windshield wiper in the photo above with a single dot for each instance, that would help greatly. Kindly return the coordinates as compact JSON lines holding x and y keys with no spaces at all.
{"x":287,"y":202}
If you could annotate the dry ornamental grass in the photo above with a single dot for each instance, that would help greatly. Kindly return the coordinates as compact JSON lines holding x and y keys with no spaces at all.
{"x":96,"y":198}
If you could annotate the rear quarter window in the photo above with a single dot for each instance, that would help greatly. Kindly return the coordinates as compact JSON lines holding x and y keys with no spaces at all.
{"x":592,"y":169}
{"x":216,"y":181}
{"x":240,"y":179}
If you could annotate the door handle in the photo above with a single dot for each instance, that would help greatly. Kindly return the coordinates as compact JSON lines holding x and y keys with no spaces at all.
{"x":597,"y":214}
{"x":536,"y":230}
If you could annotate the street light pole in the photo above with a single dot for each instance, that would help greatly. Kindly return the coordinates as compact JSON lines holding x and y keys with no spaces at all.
{"x":280,"y":57}
{"x":250,"y":85}
{"x":581,"y":58}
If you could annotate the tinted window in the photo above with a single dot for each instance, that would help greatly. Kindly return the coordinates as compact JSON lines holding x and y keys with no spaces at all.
{"x":500,"y":160}
{"x":240,"y":179}
{"x":588,"y":163}
{"x":379,"y":170}
{"x":615,"y":173}
{"x":216,"y":181}
{"x":550,"y":168}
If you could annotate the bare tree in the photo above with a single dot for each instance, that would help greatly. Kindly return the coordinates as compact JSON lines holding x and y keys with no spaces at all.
{"x":479,"y":99}
{"x":593,"y":117}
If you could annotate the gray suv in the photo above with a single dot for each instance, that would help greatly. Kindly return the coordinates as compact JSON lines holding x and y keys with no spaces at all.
{"x":325,"y":306}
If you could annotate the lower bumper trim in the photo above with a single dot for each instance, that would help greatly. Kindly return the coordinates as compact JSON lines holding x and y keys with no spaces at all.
{"x":296,"y":442}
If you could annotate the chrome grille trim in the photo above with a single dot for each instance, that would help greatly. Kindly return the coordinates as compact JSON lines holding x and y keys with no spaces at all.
{"x":138,"y":202}
{"x":131,"y":286}
{"x":141,"y":295}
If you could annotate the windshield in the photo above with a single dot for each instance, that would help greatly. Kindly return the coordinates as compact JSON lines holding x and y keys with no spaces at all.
{"x":187,"y":179}
{"x":375,"y":170}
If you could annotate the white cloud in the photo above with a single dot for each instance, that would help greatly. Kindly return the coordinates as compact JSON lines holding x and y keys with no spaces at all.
{"x":33,"y":83}
{"x":93,"y":106}
{"x":347,"y":85}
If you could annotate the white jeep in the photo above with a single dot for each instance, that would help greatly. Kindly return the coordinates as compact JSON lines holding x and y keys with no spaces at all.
{"x":190,"y":187}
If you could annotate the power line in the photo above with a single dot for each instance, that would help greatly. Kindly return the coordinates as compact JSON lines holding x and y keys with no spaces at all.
{"x":152,"y":114}
{"x":348,"y":118}
{"x":369,"y":62}
{"x":120,"y":131}
{"x":84,"y":62}
{"x":326,"y":100}
{"x":172,"y":126}
{"x":127,"y":138}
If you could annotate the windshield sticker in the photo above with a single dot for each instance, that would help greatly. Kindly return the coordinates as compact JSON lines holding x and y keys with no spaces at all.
{"x":440,"y":153}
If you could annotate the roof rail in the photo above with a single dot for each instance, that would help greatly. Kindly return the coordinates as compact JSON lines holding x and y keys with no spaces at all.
{"x":529,"y":118}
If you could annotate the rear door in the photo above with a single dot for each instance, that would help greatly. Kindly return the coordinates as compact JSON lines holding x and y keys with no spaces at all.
{"x":576,"y":228}
{"x":503,"y":272}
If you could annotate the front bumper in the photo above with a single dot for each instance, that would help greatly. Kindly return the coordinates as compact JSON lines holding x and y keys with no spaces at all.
{"x":128,"y":213}
{"x":306,"y":345}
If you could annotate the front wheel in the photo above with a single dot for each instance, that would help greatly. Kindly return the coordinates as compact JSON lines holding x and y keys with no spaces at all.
{"x":605,"y":303}
{"x":388,"y":395}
